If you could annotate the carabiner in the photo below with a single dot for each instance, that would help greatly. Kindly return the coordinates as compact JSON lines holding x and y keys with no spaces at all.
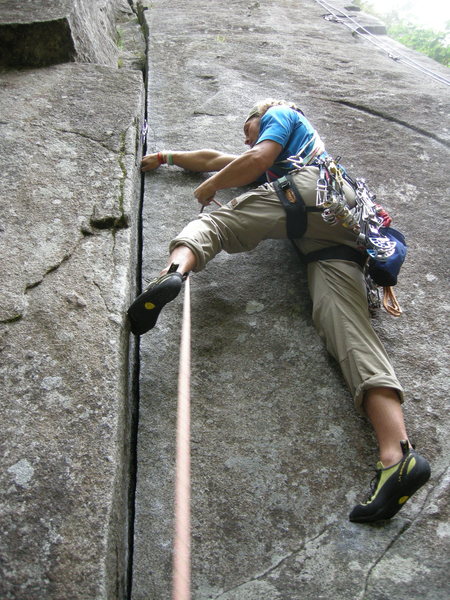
{"x":144,"y":131}
{"x":322,"y":189}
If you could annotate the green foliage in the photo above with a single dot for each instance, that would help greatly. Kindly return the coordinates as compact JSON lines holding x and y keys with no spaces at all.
{"x":434,"y":44}
{"x":431,"y":43}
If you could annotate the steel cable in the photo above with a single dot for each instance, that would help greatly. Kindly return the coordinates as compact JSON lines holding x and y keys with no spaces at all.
{"x":393,"y":53}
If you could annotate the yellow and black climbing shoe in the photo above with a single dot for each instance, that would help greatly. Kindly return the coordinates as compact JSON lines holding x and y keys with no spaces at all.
{"x":144,"y":311}
{"x":392,"y":487}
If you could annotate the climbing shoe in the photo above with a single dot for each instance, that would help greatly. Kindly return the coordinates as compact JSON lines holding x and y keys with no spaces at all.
{"x":392,"y":487}
{"x":144,"y":311}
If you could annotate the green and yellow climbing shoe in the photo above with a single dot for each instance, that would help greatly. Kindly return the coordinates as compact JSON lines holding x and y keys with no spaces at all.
{"x":392,"y":487}
{"x":144,"y":311}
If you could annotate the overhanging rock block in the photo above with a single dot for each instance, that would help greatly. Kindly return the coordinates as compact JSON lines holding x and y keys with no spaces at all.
{"x":35,"y":34}
{"x":70,"y":189}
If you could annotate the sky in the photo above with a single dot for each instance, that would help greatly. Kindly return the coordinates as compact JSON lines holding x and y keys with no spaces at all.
{"x":430,"y":14}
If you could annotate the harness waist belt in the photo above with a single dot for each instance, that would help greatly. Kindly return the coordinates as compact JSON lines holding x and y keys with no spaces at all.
{"x":341,"y":252}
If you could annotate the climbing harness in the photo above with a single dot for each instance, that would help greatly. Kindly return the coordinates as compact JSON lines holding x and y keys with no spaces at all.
{"x":380,"y":249}
{"x":181,"y":576}
{"x":287,"y":191}
{"x":294,"y":206}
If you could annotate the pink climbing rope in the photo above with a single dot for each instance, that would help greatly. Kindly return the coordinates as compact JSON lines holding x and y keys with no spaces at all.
{"x":181,"y":577}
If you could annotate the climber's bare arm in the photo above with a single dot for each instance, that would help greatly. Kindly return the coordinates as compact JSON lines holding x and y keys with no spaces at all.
{"x":198,"y":160}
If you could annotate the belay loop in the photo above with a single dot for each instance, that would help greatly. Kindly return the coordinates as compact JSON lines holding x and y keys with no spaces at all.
{"x":385,"y":247}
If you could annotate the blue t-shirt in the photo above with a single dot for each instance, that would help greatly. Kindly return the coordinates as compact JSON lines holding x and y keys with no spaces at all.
{"x":291,"y":130}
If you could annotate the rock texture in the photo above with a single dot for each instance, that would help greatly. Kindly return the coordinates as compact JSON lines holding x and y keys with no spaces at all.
{"x":44,"y":33}
{"x":279,"y":456}
{"x":70,"y":192}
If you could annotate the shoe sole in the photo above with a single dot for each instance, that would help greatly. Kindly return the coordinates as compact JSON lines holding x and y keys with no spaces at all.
{"x":144,"y":311}
{"x":396,"y":503}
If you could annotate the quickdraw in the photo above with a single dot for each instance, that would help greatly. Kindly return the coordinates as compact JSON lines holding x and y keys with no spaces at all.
{"x":373,"y":295}
{"x":365,"y":218}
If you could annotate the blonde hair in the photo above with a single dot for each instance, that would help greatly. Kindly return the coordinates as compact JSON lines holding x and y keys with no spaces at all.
{"x":263,"y":106}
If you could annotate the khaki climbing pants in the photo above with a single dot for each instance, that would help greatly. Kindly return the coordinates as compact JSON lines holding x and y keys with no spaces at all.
{"x":337,"y":287}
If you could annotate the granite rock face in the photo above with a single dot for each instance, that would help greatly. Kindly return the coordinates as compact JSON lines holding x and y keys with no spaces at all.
{"x":70,"y":193}
{"x":279,"y":455}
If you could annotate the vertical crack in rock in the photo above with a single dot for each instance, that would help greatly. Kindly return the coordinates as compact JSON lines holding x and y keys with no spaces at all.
{"x":138,"y":10}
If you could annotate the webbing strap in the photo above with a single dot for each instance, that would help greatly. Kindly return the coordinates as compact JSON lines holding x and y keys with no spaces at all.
{"x":293,"y":204}
{"x":390,"y":302}
{"x":340,"y":252}
{"x":181,"y":576}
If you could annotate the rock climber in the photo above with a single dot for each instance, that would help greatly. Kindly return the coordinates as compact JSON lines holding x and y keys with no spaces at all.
{"x":276,"y":130}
